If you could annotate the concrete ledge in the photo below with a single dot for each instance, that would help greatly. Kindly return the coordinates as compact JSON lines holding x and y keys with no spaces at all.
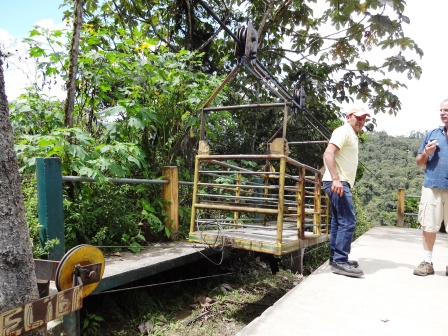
{"x":128,"y":267}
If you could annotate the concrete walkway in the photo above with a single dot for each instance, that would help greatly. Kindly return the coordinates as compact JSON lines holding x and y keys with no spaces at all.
{"x":388,"y":300}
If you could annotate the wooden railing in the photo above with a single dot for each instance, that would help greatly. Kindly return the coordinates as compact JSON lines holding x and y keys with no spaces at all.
{"x":50,"y":208}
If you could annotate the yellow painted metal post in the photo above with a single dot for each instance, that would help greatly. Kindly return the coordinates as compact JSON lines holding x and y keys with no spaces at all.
{"x":236,"y":214}
{"x":317,"y":205}
{"x":281,"y":199}
{"x":327,"y":212}
{"x":195,"y":194}
{"x":285,"y":120}
{"x":258,"y":193}
{"x":265,"y":195}
{"x":301,"y":204}
{"x":400,"y":208}
{"x":299,"y":208}
{"x":170,"y":195}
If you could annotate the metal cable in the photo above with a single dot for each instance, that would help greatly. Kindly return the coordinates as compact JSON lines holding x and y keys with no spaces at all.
{"x":161,"y":283}
{"x":211,"y":246}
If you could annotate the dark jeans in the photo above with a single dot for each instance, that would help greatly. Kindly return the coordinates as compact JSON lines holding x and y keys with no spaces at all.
{"x":343,"y":222}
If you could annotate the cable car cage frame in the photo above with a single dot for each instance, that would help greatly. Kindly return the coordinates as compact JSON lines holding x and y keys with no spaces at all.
{"x":277,"y":209}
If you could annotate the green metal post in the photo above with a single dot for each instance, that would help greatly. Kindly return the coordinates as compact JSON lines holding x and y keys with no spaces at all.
{"x":49,"y":204}
{"x":51,"y":220}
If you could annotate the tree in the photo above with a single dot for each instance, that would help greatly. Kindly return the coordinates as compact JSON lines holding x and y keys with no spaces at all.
{"x":74,"y":53}
{"x":132,"y":116}
{"x":334,"y":43}
{"x":17,"y":275}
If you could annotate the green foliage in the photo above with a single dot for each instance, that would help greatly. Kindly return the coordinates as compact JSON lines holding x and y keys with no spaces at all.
{"x":47,"y":46}
{"x":389,"y":164}
{"x":39,"y":132}
{"x":40,"y":252}
{"x":110,"y":214}
{"x":135,"y":113}
{"x":91,"y":325}
{"x":149,"y":215}
{"x":334,"y":68}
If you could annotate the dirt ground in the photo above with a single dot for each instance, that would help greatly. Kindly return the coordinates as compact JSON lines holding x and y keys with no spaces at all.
{"x":219,"y":302}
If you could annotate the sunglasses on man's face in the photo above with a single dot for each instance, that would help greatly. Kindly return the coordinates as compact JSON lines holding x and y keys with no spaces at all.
{"x":359,"y":118}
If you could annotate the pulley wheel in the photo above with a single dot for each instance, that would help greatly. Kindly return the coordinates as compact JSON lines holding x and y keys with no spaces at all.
{"x":240,"y":48}
{"x":82,"y":255}
{"x":66,"y":255}
{"x":241,"y":34}
{"x":299,"y":96}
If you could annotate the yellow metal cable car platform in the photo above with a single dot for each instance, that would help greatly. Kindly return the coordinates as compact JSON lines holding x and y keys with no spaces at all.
{"x":267,"y":203}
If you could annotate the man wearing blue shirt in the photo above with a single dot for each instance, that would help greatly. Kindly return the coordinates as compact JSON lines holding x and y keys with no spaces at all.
{"x":433,"y":208}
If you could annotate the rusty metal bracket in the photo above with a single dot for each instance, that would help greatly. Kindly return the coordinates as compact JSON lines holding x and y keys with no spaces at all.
{"x":46,"y":269}
{"x":279,"y":146}
{"x":88,"y":274}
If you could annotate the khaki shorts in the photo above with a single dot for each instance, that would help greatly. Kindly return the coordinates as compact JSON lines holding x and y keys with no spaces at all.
{"x":433,"y":209}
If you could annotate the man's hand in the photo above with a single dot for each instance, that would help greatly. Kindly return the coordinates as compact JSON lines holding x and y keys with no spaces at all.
{"x":337,"y":187}
{"x":431,"y":147}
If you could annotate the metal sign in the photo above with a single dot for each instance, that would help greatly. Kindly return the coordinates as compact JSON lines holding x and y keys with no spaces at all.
{"x":33,"y":315}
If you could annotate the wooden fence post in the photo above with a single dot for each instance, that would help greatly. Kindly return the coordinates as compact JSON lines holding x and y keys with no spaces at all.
{"x":400,"y":208}
{"x":170,"y":195}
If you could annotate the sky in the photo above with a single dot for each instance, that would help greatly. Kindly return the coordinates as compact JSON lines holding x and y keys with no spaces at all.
{"x":19,"y":16}
{"x":17,"y":19}
{"x":420,"y":101}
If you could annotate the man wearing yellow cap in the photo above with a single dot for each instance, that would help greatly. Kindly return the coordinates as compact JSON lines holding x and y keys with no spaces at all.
{"x":341,"y":162}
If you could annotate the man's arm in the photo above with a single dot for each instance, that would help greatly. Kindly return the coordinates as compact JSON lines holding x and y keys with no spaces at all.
{"x":330,"y":163}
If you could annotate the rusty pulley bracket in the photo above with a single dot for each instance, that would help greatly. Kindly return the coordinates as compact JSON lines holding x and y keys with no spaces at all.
{"x":87,"y":274}
{"x":299,"y":97}
{"x":247,"y":44}
{"x":46,"y":269}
